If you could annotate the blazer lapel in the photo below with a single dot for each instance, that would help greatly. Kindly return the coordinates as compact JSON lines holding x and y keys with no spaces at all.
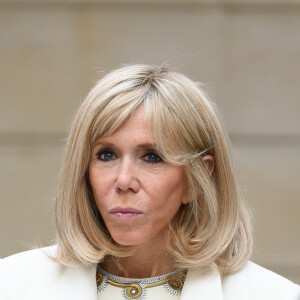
{"x":202,"y":284}
{"x":76,"y":283}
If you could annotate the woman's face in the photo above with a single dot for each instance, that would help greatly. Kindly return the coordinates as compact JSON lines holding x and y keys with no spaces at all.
{"x":135,"y":191}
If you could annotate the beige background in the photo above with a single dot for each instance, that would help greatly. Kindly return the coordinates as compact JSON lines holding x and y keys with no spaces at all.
{"x":246,"y":52}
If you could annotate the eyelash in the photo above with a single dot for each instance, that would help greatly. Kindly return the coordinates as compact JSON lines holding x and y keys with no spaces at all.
{"x":99,"y":153}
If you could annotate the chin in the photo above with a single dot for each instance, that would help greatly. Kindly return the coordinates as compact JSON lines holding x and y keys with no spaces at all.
{"x":126,"y":239}
{"x":127,"y":242}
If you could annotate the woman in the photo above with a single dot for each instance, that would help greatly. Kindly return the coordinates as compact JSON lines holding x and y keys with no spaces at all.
{"x":148,"y":206}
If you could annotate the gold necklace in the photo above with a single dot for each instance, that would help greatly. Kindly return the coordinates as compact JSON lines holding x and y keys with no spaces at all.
{"x":137,"y":288}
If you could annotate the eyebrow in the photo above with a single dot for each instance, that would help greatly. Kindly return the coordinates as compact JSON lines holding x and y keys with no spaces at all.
{"x":141,"y":146}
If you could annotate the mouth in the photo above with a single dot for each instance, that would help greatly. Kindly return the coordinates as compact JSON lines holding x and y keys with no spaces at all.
{"x":125,"y":213}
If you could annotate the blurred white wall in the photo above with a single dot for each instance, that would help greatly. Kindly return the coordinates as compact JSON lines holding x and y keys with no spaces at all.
{"x":246,"y":52}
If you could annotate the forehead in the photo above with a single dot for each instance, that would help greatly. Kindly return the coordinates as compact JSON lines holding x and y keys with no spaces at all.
{"x":134,"y":130}
{"x":135,"y":122}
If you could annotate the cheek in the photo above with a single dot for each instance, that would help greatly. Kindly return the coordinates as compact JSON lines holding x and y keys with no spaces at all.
{"x":98,"y":183}
{"x":168,"y":190}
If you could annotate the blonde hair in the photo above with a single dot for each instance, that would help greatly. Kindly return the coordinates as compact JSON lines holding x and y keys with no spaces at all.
{"x":214,"y":227}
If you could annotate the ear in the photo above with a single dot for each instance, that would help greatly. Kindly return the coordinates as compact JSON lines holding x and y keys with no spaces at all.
{"x":209,"y":163}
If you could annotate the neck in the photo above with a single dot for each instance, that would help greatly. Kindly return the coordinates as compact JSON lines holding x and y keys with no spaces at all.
{"x":143,"y":264}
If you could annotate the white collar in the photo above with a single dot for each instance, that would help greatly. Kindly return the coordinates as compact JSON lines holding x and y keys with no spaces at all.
{"x":202,"y":283}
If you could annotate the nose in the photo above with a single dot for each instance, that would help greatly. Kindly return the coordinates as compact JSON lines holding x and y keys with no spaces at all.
{"x":127,"y":177}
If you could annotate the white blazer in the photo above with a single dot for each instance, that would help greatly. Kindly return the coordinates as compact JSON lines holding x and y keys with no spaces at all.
{"x":32,"y":276}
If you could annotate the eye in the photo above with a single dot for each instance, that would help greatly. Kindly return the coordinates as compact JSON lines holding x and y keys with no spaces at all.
{"x":153,"y":158}
{"x":105,"y":155}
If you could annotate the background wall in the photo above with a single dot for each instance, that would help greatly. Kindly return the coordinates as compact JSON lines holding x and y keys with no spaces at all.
{"x":246,"y":52}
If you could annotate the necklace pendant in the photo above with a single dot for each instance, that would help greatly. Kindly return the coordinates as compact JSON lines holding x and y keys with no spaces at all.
{"x":134,"y":291}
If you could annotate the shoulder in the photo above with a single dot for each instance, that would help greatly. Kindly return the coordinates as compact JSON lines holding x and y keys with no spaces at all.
{"x":31,"y":259}
{"x":260,"y":283}
{"x":33,"y":272}
{"x":27,"y":265}
{"x":19,"y":269}
{"x":37,"y":253}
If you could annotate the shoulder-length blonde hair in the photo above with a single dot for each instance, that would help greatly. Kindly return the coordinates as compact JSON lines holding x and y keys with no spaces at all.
{"x":213,"y":227}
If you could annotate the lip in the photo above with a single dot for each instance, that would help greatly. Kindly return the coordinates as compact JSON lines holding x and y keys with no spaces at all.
{"x":125,"y":213}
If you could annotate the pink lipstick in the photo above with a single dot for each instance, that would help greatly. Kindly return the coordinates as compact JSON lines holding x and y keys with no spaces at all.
{"x":125,"y":213}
